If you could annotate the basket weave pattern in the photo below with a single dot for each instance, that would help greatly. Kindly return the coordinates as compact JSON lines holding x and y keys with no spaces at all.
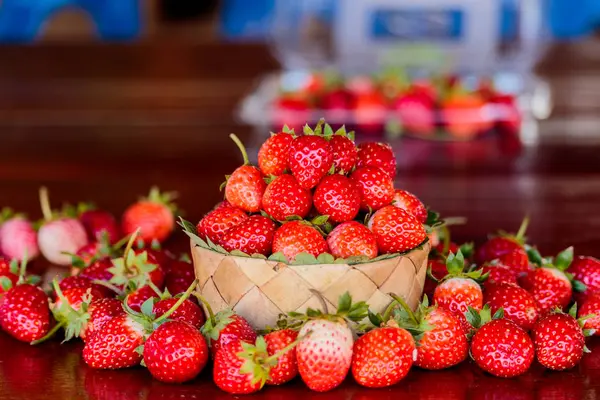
{"x":260,"y":290}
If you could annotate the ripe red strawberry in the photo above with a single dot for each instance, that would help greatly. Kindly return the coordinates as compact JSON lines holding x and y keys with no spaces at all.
{"x":370,"y":111}
{"x":559,"y":341}
{"x":100,"y":311}
{"x":179,"y":277}
{"x":374,"y":154}
{"x":273,"y":154}
{"x":502,"y":348}
{"x":245,"y":186}
{"x":375,"y":186}
{"x":441,"y":340}
{"x":75,"y":281}
{"x":510,"y":115}
{"x":8,"y":280}
{"x":24,"y":313}
{"x":518,"y":305}
{"x":310,"y":158}
{"x":153,"y":214}
{"x":337,"y":197}
{"x":410,"y":203}
{"x":497,"y":274}
{"x":99,"y":270}
{"x":217,"y":222}
{"x":459,"y":290}
{"x":352,"y":239}
{"x":345,"y":153}
{"x":464,"y":115}
{"x":286,"y":368}
{"x":114,"y":345}
{"x":325,"y":352}
{"x":416,"y":113}
{"x":284,"y":197}
{"x":396,"y":230}
{"x":175,"y":352}
{"x":253,"y":236}
{"x":117,"y":343}
{"x":18,"y":238}
{"x":226,"y":327}
{"x":241,"y":367}
{"x":506,"y":248}
{"x":188,"y":311}
{"x":296,"y":237}
{"x":59,"y":237}
{"x":138,"y":296}
{"x":336,"y":104}
{"x":98,"y":223}
{"x":591,"y":306}
{"x":551,"y":286}
{"x":587,"y":271}
{"x":382,"y":357}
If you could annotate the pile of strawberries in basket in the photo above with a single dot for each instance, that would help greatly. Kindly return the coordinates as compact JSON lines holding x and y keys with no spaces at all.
{"x":503,"y":303}
{"x":316,"y":195}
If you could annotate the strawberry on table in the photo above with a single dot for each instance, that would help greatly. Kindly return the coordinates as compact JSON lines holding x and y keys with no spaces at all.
{"x":338,"y":197}
{"x":396,"y":230}
{"x":325,"y":351}
{"x":100,"y":311}
{"x":284,"y":197}
{"x":188,"y":311}
{"x":59,"y":236}
{"x":518,"y":305}
{"x":459,"y":290}
{"x":410,"y":203}
{"x":375,"y":186}
{"x":154,"y":215}
{"x":591,"y":307}
{"x":99,"y":224}
{"x":18,"y":238}
{"x":551,"y":285}
{"x":375,"y":154}
{"x":180,"y":276}
{"x":352,"y":239}
{"x":310,"y":156}
{"x":501,"y":348}
{"x":296,"y":237}
{"x":507,"y":249}
{"x":497,"y":274}
{"x":217,"y":222}
{"x":383,"y":356}
{"x":440,"y":337}
{"x":587,"y":271}
{"x":273,"y":153}
{"x":225,"y":327}
{"x":559,"y":340}
{"x":175,"y":352}
{"x":286,"y":368}
{"x":253,"y":236}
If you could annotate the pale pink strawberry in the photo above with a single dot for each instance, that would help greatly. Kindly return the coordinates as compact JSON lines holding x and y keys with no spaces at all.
{"x":18,"y":239}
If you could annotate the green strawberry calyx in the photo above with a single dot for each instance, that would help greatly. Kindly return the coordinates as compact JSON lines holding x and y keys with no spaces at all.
{"x":347,"y":311}
{"x":455,"y":265}
{"x":519,"y":237}
{"x":165,"y":198}
{"x":8,"y":213}
{"x":478,"y":318}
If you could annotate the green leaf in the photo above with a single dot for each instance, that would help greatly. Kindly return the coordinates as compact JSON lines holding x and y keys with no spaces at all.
{"x":305,"y":259}
{"x":564,"y":259}
{"x":325,"y":258}
{"x":5,"y":283}
{"x":573,"y":311}
{"x":328,"y":131}
{"x":534,"y":255}
{"x":286,"y":129}
{"x":293,"y":218}
{"x":147,"y":307}
{"x":589,"y":332}
{"x":279,"y":257}
{"x":344,"y":303}
{"x":473,"y":317}
{"x":320,"y":220}
{"x":467,"y":249}
{"x":351,"y":135}
{"x":313,"y":313}
{"x":188,"y":226}
{"x":579,"y":286}
{"x":308,"y":130}
{"x":319,"y":127}
{"x":455,"y":263}
{"x":433,"y":217}
{"x":375,"y":319}
{"x":258,"y":255}
{"x":140,"y":350}
{"x":499,"y":314}
{"x":238,"y":253}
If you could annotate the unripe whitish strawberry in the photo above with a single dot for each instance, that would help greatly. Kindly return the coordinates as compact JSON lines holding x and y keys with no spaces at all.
{"x":18,"y":238}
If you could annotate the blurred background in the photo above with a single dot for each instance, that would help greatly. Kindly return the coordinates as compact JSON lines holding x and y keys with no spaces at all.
{"x":94,"y":94}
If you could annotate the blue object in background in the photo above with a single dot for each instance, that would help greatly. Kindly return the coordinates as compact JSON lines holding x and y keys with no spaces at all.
{"x":248,"y":20}
{"x":21,"y":20}
{"x":572,"y":19}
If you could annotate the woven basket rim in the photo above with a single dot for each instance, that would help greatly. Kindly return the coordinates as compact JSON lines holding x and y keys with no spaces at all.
{"x":422,"y":247}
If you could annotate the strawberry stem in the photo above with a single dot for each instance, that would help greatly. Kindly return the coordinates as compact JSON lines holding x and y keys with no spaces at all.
{"x":321,"y":300}
{"x":446,"y":232}
{"x":405,"y":306}
{"x":128,"y":249}
{"x":175,"y":306}
{"x":49,"y":334}
{"x":211,"y":314}
{"x":120,"y":243}
{"x":110,"y":286}
{"x":523,"y":228}
{"x":240,"y":145}
{"x":45,"y":204}
{"x":282,"y":352}
{"x":155,"y":288}
{"x":388,"y":311}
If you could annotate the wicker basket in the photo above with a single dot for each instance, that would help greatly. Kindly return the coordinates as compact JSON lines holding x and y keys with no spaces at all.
{"x":260,"y":290}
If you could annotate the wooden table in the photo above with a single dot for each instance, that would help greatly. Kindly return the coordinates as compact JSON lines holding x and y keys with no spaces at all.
{"x":104,"y":123}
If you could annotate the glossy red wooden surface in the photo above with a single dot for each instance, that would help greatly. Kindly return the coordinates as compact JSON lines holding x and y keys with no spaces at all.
{"x":104,"y":123}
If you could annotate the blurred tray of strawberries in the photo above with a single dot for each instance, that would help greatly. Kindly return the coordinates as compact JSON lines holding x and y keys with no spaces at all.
{"x":437,"y":107}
